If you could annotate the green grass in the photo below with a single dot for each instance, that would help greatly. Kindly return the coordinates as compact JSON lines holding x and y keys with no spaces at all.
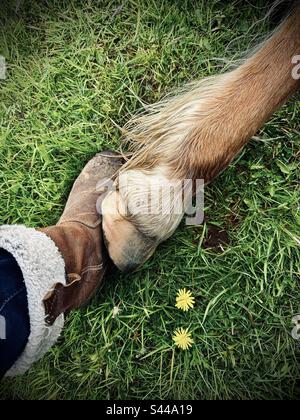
{"x":75,"y":73}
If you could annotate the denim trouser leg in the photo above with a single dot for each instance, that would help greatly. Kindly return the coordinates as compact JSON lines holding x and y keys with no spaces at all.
{"x":14,"y":316}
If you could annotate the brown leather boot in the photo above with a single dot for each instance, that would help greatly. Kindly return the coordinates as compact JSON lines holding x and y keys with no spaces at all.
{"x":78,"y":236}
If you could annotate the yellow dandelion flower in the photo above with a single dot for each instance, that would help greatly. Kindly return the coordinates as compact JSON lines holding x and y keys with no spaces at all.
{"x":184,"y":300}
{"x":182,"y":338}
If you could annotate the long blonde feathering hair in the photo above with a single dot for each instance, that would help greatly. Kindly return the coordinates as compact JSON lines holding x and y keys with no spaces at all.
{"x":155,"y":134}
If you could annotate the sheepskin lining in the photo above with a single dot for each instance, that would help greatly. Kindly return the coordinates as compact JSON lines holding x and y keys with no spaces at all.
{"x":42,"y":267}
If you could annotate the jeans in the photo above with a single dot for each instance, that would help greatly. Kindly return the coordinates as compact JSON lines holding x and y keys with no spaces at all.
{"x":14,"y":315}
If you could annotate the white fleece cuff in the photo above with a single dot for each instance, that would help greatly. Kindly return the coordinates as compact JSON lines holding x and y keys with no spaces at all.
{"x":42,"y":267}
